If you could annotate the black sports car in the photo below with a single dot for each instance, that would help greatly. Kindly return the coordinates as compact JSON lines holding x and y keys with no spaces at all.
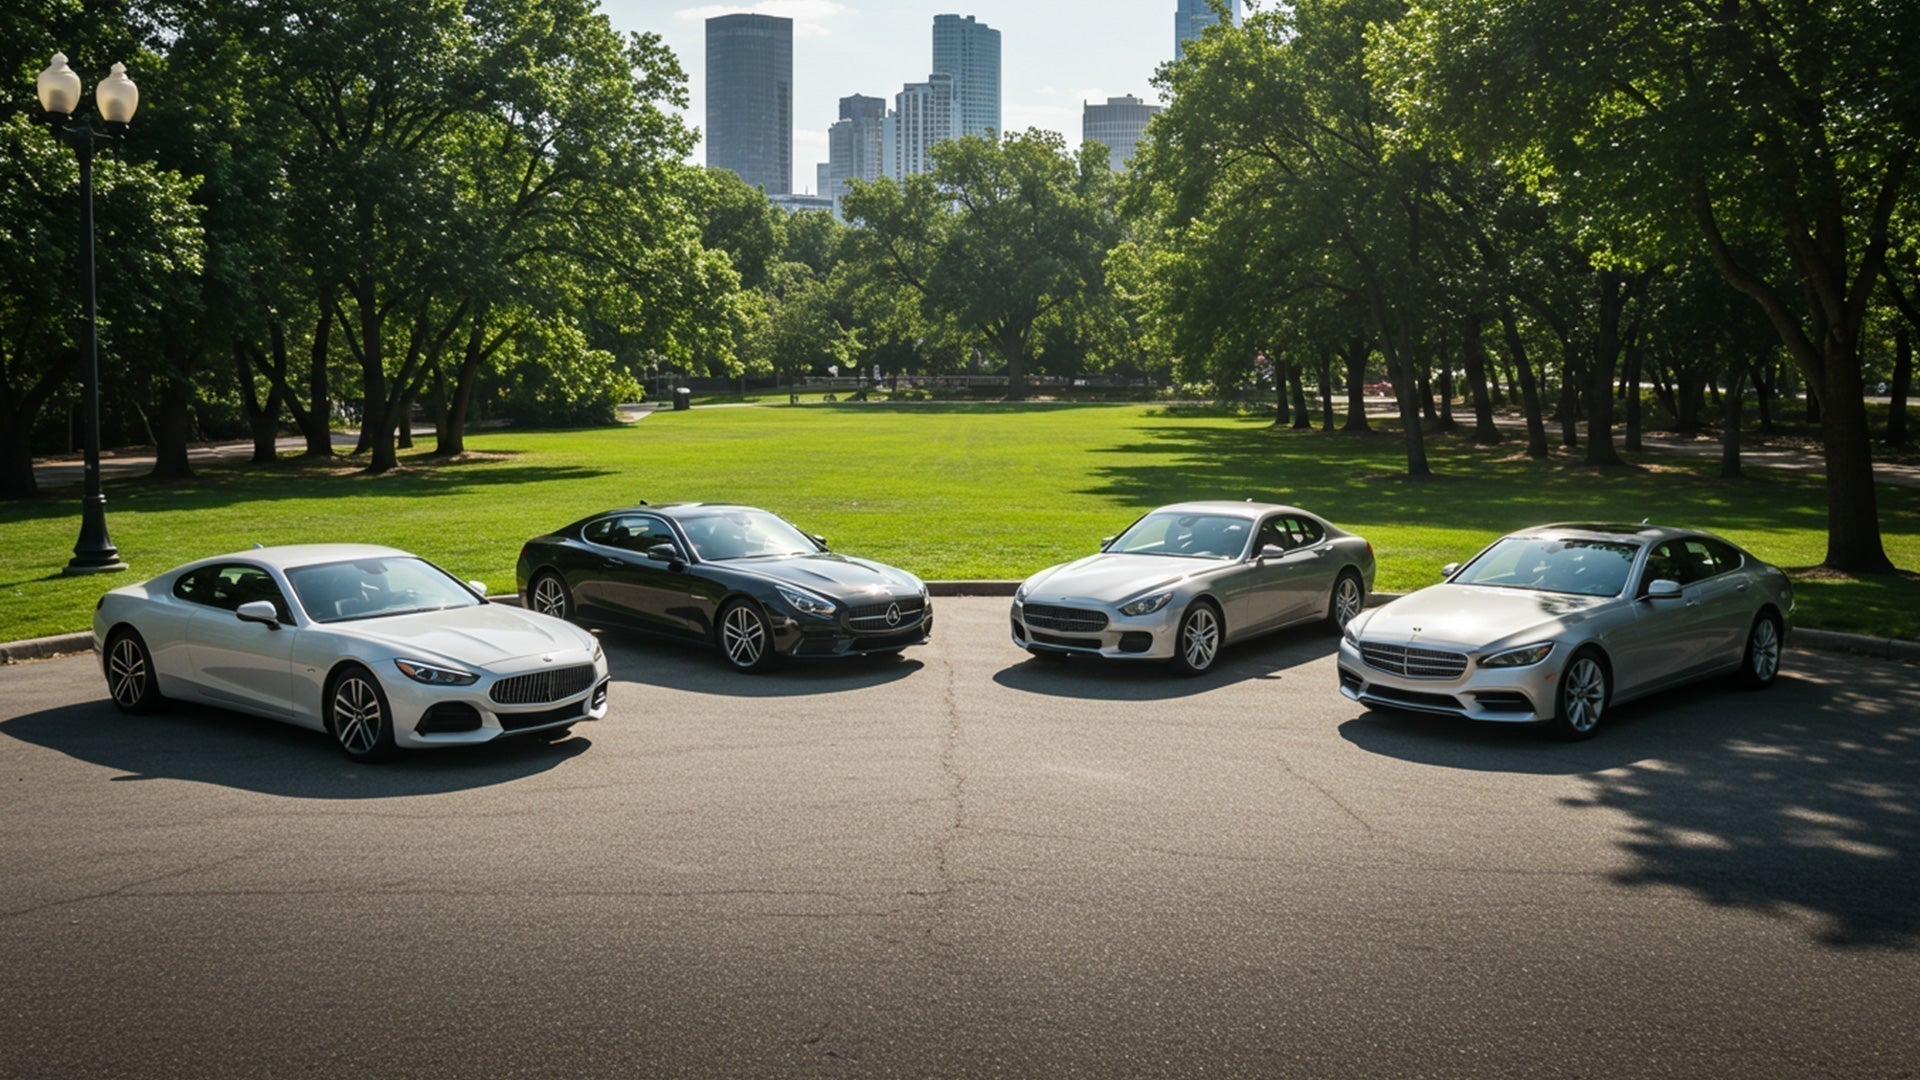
{"x":738,"y":578}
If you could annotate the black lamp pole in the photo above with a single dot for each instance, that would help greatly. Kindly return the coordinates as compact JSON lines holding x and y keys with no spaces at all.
{"x":95,"y":553}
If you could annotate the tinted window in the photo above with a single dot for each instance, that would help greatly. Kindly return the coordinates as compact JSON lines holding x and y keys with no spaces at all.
{"x":631,"y":532}
{"x":1549,"y":564}
{"x":743,"y":534}
{"x":381,"y":585}
{"x":227,"y":587}
{"x":1204,"y":536}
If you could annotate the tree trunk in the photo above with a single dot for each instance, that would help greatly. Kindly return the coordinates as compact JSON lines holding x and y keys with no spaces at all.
{"x":1529,"y":389}
{"x":1326,"y":389}
{"x":174,"y":431}
{"x":20,"y":413}
{"x":1277,"y":368}
{"x":1606,"y":353}
{"x":1357,"y":351}
{"x":1484,"y":430}
{"x":1763,"y":391}
{"x":1635,"y":357}
{"x":263,"y":420}
{"x":1302,"y":416}
{"x":1570,"y":373}
{"x":376,"y":418}
{"x":1730,"y":438}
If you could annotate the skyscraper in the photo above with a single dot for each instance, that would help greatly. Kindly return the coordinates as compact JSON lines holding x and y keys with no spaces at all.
{"x":856,"y":145}
{"x":750,"y":99}
{"x":1118,"y":126}
{"x":1192,"y":18}
{"x":924,"y":114}
{"x":970,"y":52}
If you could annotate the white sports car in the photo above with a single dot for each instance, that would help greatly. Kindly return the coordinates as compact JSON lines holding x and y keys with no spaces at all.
{"x":379,"y":648}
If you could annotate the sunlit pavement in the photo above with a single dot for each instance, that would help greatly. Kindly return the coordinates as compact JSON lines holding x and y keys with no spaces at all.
{"x":971,"y":863}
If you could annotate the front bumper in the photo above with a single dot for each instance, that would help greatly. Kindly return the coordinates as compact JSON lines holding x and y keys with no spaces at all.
{"x":425,"y":716}
{"x":807,"y":639}
{"x":1123,"y":637}
{"x":1522,"y":695}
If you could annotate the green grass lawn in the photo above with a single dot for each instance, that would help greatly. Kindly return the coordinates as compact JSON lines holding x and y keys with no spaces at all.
{"x":947,"y":491}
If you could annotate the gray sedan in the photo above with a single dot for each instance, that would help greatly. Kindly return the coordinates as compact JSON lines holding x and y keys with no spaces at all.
{"x":1556,"y":623}
{"x":1188,"y":579}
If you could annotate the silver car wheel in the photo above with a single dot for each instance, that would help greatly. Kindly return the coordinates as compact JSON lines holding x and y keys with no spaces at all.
{"x":1347,"y":600}
{"x":1764,"y":647}
{"x":744,"y":635}
{"x":358,"y":719}
{"x":1199,"y":638}
{"x":550,"y":596}
{"x":1584,"y":693}
{"x":127,"y":673}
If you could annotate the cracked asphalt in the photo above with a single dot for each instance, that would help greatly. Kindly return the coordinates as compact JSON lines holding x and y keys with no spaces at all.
{"x":970,"y":863}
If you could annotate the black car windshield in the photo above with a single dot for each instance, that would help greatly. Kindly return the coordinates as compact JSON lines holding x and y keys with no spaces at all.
{"x":743,"y":534}
{"x":375,"y":586}
{"x":1194,"y":536}
{"x":1553,"y":564}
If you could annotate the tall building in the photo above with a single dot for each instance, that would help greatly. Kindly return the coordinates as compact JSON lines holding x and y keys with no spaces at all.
{"x":924,"y":114}
{"x":1117,"y":125}
{"x":1192,"y":18}
{"x":750,"y":99}
{"x":856,"y":146}
{"x":970,"y":52}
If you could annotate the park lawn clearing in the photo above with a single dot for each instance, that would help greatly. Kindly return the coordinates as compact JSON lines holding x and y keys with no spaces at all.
{"x":948,"y":491}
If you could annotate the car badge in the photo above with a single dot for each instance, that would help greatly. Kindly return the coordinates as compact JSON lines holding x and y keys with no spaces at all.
{"x":893,"y":614}
{"x":547,"y":659}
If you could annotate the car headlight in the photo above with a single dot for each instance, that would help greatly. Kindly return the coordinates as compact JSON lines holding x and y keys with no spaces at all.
{"x":1520,"y":657}
{"x":597,"y":653}
{"x":1020,"y":593}
{"x":1351,"y":632}
{"x":804,"y":602}
{"x":1147,"y":605}
{"x":433,"y":675}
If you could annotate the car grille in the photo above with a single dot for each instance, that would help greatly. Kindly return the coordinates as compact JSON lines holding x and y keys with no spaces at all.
{"x":1414,"y":663}
{"x":872,"y":618}
{"x":1073,"y":620}
{"x":542,"y":686}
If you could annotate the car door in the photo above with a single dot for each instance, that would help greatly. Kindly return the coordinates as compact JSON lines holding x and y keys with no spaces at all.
{"x":1727,"y":600}
{"x":621,"y":586}
{"x":1283,"y":588}
{"x":244,"y":665}
{"x":1660,"y":643}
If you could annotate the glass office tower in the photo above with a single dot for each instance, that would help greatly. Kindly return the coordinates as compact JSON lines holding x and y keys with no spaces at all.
{"x":750,"y":99}
{"x":969,"y":51}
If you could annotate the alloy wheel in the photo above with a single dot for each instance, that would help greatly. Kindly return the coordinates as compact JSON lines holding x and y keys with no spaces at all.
{"x":1763,"y":651}
{"x":128,"y":672}
{"x":358,"y":719}
{"x":1347,"y":600}
{"x":1199,"y":638}
{"x":743,"y":635}
{"x":550,"y":596}
{"x":1584,"y":692}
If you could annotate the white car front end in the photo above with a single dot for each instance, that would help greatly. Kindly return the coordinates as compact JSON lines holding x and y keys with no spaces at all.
{"x":1099,"y":606}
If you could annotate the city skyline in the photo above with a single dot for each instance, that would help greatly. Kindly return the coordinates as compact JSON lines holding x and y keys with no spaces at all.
{"x":1055,"y":58}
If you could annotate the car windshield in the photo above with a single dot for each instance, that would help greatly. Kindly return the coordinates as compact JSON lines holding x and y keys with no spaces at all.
{"x":1193,"y":536}
{"x":375,"y":586}
{"x":1553,"y":564}
{"x":743,"y":534}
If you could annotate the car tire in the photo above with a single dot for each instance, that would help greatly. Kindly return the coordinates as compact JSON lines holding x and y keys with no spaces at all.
{"x":1760,"y":664}
{"x":745,"y":639}
{"x":131,"y":680}
{"x":358,"y":715}
{"x":548,"y":594}
{"x":1196,"y":644}
{"x":1581,"y":702}
{"x":1349,"y":596}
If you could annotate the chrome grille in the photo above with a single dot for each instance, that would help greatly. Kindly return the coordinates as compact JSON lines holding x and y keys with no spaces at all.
{"x":1414,"y":663}
{"x":542,"y":686}
{"x":872,"y":618}
{"x":1073,"y":620}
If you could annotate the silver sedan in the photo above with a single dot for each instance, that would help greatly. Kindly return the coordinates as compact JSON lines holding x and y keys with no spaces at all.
{"x":1188,"y":579}
{"x":1557,"y":623}
{"x":376,"y":647}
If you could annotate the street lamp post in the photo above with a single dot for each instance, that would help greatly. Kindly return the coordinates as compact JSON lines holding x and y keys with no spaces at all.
{"x":117,"y":98}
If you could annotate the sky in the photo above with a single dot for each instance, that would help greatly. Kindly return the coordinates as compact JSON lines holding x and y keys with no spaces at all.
{"x":1054,"y":55}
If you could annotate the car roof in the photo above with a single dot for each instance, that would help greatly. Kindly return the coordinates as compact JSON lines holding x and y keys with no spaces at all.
{"x":1229,"y":508}
{"x":1641,"y":533}
{"x":680,"y":509}
{"x":289,"y":556}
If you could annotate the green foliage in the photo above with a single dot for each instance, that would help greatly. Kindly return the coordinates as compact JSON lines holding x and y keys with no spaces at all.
{"x":553,"y":378}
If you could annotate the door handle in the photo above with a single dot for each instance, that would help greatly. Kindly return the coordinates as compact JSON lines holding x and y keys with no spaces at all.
{"x":611,"y":564}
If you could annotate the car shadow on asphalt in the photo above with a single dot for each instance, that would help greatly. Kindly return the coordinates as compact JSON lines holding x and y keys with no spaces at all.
{"x":213,"y":746}
{"x":697,"y":669}
{"x":1098,"y":679}
{"x":1801,"y":800}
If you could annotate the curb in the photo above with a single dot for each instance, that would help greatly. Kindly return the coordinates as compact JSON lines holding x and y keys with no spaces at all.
{"x":14,"y":652}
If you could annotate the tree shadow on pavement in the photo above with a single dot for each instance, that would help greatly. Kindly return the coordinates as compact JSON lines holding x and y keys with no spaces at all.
{"x":213,"y":746}
{"x":1800,"y":802}
{"x":698,"y":669}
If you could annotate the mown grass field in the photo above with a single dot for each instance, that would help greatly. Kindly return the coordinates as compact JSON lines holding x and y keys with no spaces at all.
{"x":947,"y":491}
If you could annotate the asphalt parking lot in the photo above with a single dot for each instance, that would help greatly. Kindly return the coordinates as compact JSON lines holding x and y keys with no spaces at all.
{"x":970,"y":863}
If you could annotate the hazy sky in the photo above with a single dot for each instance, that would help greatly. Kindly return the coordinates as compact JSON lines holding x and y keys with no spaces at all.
{"x":1054,"y":54}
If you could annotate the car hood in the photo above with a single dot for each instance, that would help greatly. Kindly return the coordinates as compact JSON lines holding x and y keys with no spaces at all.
{"x":831,"y":574}
{"x":1475,"y":616}
{"x":482,"y":634}
{"x":1110,"y":578}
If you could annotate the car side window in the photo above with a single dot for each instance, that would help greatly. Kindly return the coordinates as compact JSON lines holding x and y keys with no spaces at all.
{"x":227,"y":587}
{"x":1725,"y":556}
{"x":1307,"y":530}
{"x":1669,"y":562}
{"x":640,"y":533}
{"x":1273,"y":531}
{"x":598,"y":532}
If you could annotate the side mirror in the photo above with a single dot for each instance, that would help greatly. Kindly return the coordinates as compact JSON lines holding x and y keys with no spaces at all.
{"x":1663,"y":589}
{"x":1107,"y":542}
{"x":1449,"y":570}
{"x":663,"y":553}
{"x":260,"y":611}
{"x":479,"y":588}
{"x":1272,"y":551}
{"x":818,"y":539}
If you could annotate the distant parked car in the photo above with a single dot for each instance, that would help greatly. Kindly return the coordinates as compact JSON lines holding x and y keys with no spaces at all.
{"x":1558,"y":623}
{"x":735,"y":577}
{"x":1187,"y":580}
{"x":379,"y":648}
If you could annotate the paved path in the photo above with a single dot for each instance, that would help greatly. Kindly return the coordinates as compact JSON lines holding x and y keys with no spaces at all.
{"x":966,"y":863}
